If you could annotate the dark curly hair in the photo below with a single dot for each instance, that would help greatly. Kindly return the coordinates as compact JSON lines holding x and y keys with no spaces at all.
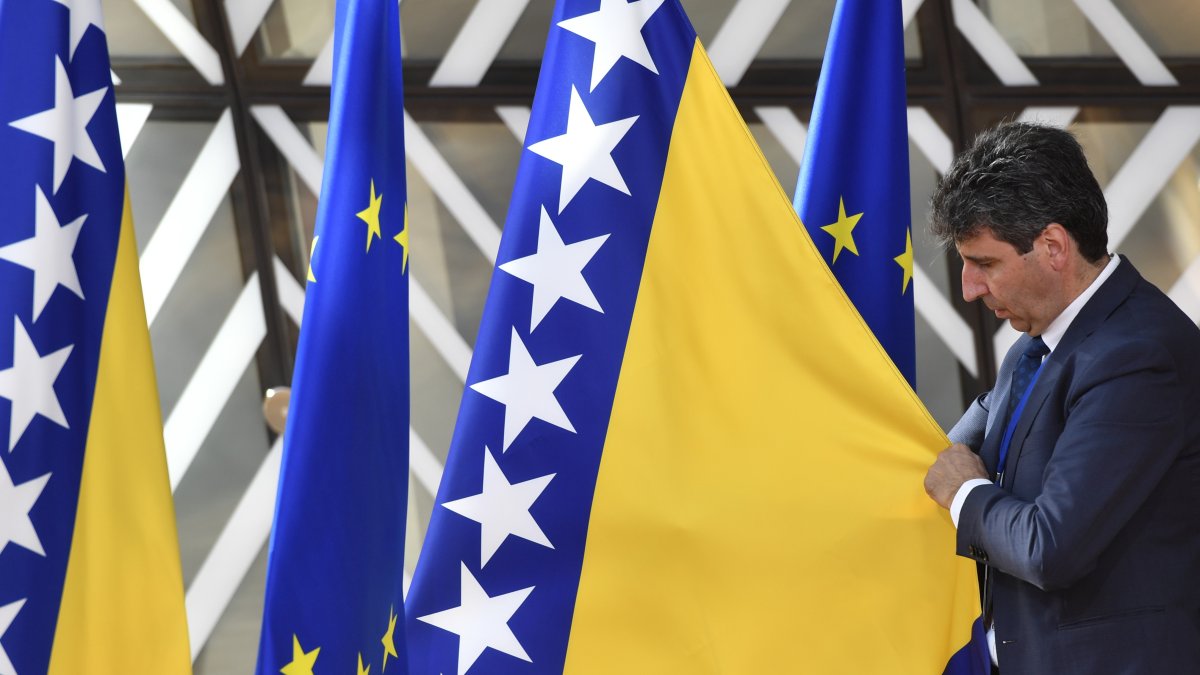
{"x":1016,"y":179}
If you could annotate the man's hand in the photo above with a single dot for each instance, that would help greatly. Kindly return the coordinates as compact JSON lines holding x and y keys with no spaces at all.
{"x":955,"y":465}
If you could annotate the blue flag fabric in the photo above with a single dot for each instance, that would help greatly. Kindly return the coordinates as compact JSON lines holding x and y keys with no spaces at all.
{"x":853,"y":194}
{"x":335,"y":573}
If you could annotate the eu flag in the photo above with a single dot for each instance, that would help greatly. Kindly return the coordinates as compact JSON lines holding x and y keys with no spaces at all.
{"x":666,"y":382}
{"x":853,"y":194}
{"x":90,"y":579}
{"x":334,"y":593}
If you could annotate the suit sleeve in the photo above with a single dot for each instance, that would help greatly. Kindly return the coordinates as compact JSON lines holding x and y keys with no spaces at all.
{"x":969,"y":430}
{"x":1124,"y":428}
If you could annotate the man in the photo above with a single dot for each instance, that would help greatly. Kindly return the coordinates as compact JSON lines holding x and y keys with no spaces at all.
{"x":1076,"y":481}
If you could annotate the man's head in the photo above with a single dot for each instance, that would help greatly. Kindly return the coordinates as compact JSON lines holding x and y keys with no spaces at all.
{"x":1029,"y":219}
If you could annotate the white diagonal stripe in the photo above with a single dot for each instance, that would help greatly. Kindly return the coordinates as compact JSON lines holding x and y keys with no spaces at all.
{"x":1059,"y":116}
{"x":1186,"y":291}
{"x":941,"y":317}
{"x":234,"y":552}
{"x":188,"y":216}
{"x":787,"y":129}
{"x":181,"y":33}
{"x":1127,"y":43}
{"x":245,"y":16}
{"x":291,"y":143}
{"x":423,"y":465}
{"x":1003,"y":340}
{"x":991,"y":46}
{"x":131,"y":117}
{"x":291,"y":293}
{"x":742,"y":35}
{"x":441,"y":333}
{"x":478,"y":42}
{"x":450,"y":189}
{"x":908,"y":10}
{"x":320,"y":73}
{"x":930,"y":139}
{"x":230,"y":354}
{"x":1148,"y":169}
{"x":516,"y":118}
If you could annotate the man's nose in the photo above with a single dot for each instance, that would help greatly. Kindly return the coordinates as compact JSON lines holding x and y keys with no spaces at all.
{"x":973,"y":286}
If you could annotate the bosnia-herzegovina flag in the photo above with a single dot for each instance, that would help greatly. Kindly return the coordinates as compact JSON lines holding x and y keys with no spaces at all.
{"x":89,"y":560}
{"x":853,"y":193}
{"x":681,"y":450}
{"x":334,"y":597}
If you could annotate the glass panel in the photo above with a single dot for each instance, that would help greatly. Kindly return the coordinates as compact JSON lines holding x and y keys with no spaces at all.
{"x":1166,"y":240}
{"x":233,"y":645}
{"x":528,"y":37}
{"x":1045,"y":28}
{"x":299,"y":29}
{"x":707,"y":16}
{"x":131,"y":34}
{"x":786,"y":168}
{"x":927,"y":253}
{"x":1168,"y":26}
{"x":430,"y":26}
{"x":296,"y":29}
{"x":938,"y":381}
{"x":1107,"y":142}
{"x":803,"y":32}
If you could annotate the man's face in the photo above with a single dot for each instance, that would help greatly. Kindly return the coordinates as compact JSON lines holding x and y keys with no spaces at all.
{"x":1016,"y":287}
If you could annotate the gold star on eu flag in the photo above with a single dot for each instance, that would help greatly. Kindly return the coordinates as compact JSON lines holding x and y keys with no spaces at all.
{"x":905,"y":260}
{"x":370,"y":216}
{"x":389,"y":639}
{"x":402,"y":239}
{"x":302,"y":662}
{"x":843,"y":231}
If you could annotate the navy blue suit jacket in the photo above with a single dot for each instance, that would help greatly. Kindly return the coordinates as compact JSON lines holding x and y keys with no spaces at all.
{"x":1094,"y":536}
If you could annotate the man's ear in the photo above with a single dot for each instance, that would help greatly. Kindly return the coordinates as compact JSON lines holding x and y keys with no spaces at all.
{"x":1058,"y":245}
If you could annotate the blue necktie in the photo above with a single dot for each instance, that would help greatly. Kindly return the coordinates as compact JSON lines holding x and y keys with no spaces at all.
{"x":1030,"y":361}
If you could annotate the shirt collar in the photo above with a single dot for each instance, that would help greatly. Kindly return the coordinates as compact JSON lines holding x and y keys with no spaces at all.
{"x":1058,"y":327}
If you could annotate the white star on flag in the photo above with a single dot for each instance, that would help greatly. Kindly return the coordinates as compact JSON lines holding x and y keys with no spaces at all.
{"x":502,"y":509}
{"x":48,"y":253}
{"x":481,"y":621}
{"x":29,"y":384}
{"x":585,"y":151}
{"x":616,"y":28}
{"x":527,"y":390}
{"x":84,"y":13}
{"x":556,"y":271}
{"x":16,"y":501}
{"x":7,"y":614}
{"x":65,"y":125}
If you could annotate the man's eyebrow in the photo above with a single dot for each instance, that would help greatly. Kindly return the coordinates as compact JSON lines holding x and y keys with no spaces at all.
{"x":978,"y":259}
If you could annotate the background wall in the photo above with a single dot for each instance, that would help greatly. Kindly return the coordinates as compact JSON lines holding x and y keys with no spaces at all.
{"x":224,"y":108}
